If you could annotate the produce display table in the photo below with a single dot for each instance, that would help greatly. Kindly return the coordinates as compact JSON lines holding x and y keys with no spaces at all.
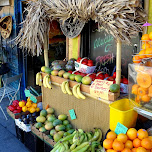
{"x":90,"y":113}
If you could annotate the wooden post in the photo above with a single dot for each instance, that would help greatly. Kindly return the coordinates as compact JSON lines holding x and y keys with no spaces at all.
{"x":118,"y":62}
{"x":46,"y":58}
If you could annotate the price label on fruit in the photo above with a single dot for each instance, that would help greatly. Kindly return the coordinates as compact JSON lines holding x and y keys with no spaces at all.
{"x":100,"y":88}
{"x":72,"y":114}
{"x":120,"y":128}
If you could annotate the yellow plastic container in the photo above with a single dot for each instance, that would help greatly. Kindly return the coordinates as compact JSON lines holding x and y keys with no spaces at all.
{"x":122,"y":112}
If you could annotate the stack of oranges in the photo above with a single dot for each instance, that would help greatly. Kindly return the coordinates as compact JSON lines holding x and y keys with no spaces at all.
{"x":132,"y":141}
{"x":146,"y":48}
{"x":29,"y":106}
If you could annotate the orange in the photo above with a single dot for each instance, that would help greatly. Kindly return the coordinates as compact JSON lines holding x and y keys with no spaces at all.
{"x":21,"y":104}
{"x":150,"y":35}
{"x":118,"y":145}
{"x":145,"y":45}
{"x":24,"y":109}
{"x":136,"y":59}
{"x":141,"y":149}
{"x":136,"y":143}
{"x":145,"y":98}
{"x":142,"y":133}
{"x":122,"y":137}
{"x":28,"y":99}
{"x":150,"y":137}
{"x":146,"y":143}
{"x":145,"y":37}
{"x":111,"y":135}
{"x":126,"y":150}
{"x":110,"y":150}
{"x":142,"y":54}
{"x":107,"y":143}
{"x":134,"y":149}
{"x":135,"y":89}
{"x":137,"y":99}
{"x":142,"y":91}
{"x":132,"y":133}
{"x":148,"y":52}
{"x":129,"y":144}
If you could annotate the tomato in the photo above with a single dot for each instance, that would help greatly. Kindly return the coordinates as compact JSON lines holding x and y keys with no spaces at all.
{"x":125,"y":80}
{"x":92,"y":76}
{"x":83,"y":74}
{"x":110,"y":79}
{"x":78,"y":60}
{"x":70,"y":72}
{"x":114,"y":75}
{"x":85,"y":61}
{"x":90,"y":64}
{"x":106,"y":75}
{"x":90,"y":61}
{"x":101,"y":78}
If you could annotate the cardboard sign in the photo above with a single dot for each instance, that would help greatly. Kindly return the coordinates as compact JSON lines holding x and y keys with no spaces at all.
{"x":27,"y":93}
{"x":120,"y":128}
{"x":100,"y":88}
{"x":72,"y":114}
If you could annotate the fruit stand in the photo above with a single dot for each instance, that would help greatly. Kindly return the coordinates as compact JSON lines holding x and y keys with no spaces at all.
{"x":76,"y":99}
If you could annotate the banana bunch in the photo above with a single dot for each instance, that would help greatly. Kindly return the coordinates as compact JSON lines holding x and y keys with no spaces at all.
{"x":80,"y":141}
{"x":77,"y":92}
{"x":47,"y":81}
{"x":39,"y":79}
{"x":66,"y":88}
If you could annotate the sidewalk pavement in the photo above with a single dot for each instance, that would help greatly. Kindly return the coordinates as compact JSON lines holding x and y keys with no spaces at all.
{"x":8,"y":140}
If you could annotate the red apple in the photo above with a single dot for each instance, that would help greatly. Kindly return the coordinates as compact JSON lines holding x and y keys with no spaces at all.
{"x":114,"y":75}
{"x":125,"y":80}
{"x":90,"y":64}
{"x":83,"y":74}
{"x":101,"y":78}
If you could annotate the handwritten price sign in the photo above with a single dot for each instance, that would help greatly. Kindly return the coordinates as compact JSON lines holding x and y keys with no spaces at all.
{"x":100,"y":88}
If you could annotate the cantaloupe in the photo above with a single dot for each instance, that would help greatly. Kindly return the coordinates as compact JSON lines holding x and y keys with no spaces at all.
{"x":144,"y":80}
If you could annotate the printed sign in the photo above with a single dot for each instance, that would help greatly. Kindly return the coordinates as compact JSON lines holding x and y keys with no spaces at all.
{"x":100,"y":88}
{"x":33,"y":99}
{"x":120,"y":128}
{"x":27,"y":93}
{"x":4,"y":2}
{"x":72,"y":114}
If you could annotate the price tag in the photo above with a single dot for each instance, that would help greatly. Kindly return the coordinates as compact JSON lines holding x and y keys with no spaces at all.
{"x":27,"y":93}
{"x":120,"y":129}
{"x":33,"y":99}
{"x":72,"y":114}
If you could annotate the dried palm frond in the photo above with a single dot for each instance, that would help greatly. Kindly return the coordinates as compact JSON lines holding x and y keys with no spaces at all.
{"x":121,"y":18}
{"x":35,"y":26}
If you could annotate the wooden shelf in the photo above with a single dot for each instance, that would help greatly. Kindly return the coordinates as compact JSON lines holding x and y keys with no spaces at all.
{"x":56,"y":80}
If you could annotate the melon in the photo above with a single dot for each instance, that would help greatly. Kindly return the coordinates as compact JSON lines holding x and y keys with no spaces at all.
{"x":144,"y":80}
{"x":57,"y":137}
{"x":49,"y":126}
{"x":43,"y":113}
{"x":114,"y":88}
{"x":40,"y":119}
{"x":62,"y":117}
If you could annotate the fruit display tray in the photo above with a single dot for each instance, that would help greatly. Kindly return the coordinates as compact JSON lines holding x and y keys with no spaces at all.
{"x":84,"y":88}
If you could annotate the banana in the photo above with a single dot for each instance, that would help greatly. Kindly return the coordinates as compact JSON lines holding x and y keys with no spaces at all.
{"x":40,"y":80}
{"x":76,"y":137}
{"x":66,"y":145}
{"x":44,"y":81}
{"x":73,"y":146}
{"x":48,"y":82}
{"x":84,"y":149}
{"x":56,"y":148}
{"x":74,"y":90}
{"x":93,"y":145}
{"x":89,"y":135}
{"x":37,"y":78}
{"x":80,"y":130}
{"x":62,"y":148}
{"x":81,"y":139}
{"x":71,"y":141}
{"x":85,"y":138}
{"x":100,"y":135}
{"x":67,"y":88}
{"x":67,"y":138}
{"x":63,"y":87}
{"x":79,"y":93}
{"x":95,"y":136}
{"x":80,"y":147}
